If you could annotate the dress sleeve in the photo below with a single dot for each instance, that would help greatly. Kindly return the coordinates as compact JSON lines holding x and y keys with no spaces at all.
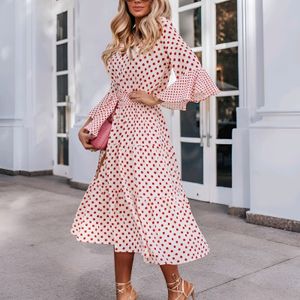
{"x":193,"y":83}
{"x":101,"y":112}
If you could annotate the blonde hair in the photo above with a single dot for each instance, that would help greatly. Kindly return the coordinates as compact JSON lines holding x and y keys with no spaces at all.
{"x":148,"y":29}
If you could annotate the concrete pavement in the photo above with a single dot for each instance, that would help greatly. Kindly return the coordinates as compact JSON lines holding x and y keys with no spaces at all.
{"x":40,"y":259}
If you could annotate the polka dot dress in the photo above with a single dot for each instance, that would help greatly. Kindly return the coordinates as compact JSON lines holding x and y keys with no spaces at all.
{"x":136,"y":200}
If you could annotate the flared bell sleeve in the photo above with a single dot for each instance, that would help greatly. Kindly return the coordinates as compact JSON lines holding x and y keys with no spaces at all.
{"x":193,"y":83}
{"x":102,"y":111}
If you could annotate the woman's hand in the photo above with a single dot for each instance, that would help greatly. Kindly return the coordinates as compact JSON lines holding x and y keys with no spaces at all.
{"x":85,"y":137}
{"x":144,"y":97}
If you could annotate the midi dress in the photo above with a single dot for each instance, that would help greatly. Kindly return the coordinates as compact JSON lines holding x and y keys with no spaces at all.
{"x":136,"y":200}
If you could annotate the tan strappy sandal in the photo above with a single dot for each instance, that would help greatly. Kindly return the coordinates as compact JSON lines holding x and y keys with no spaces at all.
{"x":180,"y":281}
{"x":132,"y":295}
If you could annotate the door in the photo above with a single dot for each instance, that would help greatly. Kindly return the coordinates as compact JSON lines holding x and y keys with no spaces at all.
{"x":63,"y":84}
{"x":203,"y":133}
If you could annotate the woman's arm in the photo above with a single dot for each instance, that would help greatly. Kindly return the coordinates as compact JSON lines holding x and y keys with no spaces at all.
{"x":193,"y":83}
{"x":101,"y":112}
{"x":85,"y":137}
{"x":144,"y":97}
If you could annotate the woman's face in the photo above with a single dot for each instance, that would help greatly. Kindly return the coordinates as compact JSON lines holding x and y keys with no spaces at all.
{"x":139,"y":8}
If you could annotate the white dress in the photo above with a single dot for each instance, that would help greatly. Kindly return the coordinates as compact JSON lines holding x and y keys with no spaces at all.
{"x":136,"y":200}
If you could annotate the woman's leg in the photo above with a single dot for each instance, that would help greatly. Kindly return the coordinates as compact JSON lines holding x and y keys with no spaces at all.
{"x":168,"y":270}
{"x":123,"y":268}
{"x":171,"y":273}
{"x":123,"y":265}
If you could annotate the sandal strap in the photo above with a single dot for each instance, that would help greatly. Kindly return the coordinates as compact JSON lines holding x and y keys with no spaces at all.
{"x":176,"y":279}
{"x":122,"y":283}
{"x":177,"y":283}
{"x":118,"y":284}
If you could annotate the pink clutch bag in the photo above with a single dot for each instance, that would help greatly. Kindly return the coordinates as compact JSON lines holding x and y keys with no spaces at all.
{"x":101,"y":140}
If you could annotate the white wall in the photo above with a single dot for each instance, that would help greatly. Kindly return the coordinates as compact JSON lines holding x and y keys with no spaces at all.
{"x":43,"y":94}
{"x":281,"y":52}
{"x":25,"y":93}
{"x":275,"y":139}
{"x":7,"y":83}
{"x":275,"y":172}
{"x":92,"y":34}
{"x":251,"y":95}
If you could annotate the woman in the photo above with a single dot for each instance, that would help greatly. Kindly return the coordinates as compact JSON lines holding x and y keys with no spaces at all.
{"x":136,"y":201}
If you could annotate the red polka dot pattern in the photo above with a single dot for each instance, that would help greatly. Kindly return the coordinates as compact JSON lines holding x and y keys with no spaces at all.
{"x":193,"y":83}
{"x":136,"y":200}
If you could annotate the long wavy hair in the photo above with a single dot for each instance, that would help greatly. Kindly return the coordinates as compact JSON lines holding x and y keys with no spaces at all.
{"x":146,"y":34}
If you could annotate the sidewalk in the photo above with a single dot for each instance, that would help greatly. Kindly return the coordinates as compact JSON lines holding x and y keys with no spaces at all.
{"x":40,"y":259}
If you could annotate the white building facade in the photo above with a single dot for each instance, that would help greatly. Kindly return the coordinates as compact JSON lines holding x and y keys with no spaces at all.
{"x":240,"y":149}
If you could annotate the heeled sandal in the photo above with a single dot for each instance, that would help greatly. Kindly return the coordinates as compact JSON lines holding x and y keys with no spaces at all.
{"x":133,"y":294}
{"x":180,"y":281}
